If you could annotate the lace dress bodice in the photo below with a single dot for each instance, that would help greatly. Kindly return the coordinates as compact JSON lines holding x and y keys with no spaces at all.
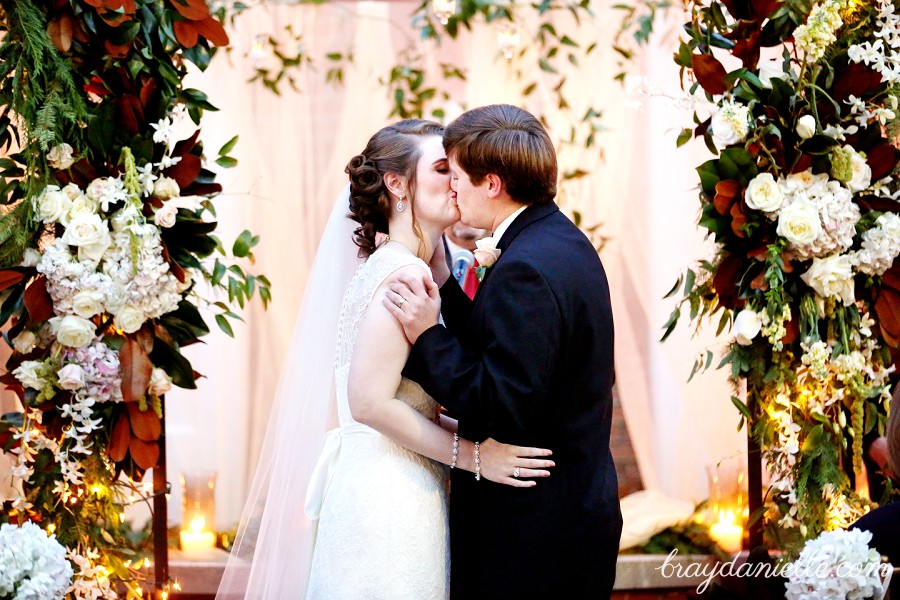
{"x":366,"y":281}
{"x":382,"y":509}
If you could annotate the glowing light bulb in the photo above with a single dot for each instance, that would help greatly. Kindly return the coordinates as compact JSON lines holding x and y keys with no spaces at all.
{"x":508,"y":39}
{"x":443,"y":9}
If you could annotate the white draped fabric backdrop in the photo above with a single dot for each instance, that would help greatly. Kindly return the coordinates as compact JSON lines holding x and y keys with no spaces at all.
{"x":292,"y":152}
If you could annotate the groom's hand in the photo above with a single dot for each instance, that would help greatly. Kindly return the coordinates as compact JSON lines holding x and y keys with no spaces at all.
{"x":415,"y":302}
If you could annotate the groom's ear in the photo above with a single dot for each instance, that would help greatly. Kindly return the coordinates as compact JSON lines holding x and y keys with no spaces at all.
{"x":495,"y":187}
{"x":395,"y":184}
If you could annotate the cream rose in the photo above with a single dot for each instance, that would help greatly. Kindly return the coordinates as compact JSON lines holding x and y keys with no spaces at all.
{"x":60,"y":157}
{"x":486,"y":251}
{"x":799,"y":223}
{"x":82,"y":206}
{"x":747,"y":325}
{"x":31,"y":258}
{"x":862,"y":173}
{"x":730,"y":124}
{"x":71,"y":377}
{"x":73,"y":192}
{"x":832,"y":276}
{"x":73,"y":331}
{"x":806,"y":126}
{"x":86,"y":304}
{"x":129,"y":319}
{"x":165,"y":188}
{"x":764,"y":193}
{"x":53,"y":204}
{"x":159,"y":382}
{"x":27,"y":374}
{"x":90,"y":234}
{"x":25,"y":342}
{"x":165,"y":216}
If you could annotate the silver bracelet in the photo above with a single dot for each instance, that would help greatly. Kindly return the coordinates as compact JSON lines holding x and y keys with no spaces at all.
{"x":455,"y":450}
{"x":477,"y":461}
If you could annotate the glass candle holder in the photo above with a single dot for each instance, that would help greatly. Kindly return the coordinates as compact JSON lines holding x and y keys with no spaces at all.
{"x":727,"y":511}
{"x":198,"y":522}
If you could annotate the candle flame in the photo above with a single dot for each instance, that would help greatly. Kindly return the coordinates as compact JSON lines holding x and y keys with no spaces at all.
{"x":197,"y":524}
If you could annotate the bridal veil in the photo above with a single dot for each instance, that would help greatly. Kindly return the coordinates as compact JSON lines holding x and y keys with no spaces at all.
{"x":272,"y":554}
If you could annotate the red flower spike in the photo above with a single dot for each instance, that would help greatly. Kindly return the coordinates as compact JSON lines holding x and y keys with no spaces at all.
{"x":38,"y":301}
{"x":709,"y":73}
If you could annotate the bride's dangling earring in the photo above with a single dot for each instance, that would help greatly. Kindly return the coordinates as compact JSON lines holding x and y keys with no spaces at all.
{"x":400,"y":204}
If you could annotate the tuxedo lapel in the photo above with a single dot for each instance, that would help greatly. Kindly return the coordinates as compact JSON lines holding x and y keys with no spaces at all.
{"x":530,"y":215}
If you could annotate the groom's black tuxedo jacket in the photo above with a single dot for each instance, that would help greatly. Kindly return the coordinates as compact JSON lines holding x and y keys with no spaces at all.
{"x":530,"y":362}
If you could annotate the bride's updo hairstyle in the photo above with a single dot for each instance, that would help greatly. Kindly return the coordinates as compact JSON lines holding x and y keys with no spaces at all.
{"x":394,"y":149}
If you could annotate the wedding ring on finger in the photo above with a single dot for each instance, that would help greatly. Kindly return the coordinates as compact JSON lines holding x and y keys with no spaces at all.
{"x":516,"y":472}
{"x":400,"y":302}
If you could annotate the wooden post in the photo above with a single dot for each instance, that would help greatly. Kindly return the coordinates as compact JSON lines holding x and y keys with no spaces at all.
{"x":161,"y":514}
{"x":754,"y":481}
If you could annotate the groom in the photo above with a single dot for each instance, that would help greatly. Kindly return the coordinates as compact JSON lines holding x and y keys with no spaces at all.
{"x":529,"y":362}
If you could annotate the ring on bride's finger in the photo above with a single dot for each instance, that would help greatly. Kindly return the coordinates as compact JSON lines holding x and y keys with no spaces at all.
{"x":401,"y":302}
{"x":516,"y":472}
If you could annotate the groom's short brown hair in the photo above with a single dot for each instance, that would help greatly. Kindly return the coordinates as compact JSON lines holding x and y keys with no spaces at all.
{"x":509,"y":142}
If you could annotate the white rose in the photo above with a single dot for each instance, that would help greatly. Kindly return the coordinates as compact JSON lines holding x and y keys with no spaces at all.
{"x":159,"y":382}
{"x":60,"y":157}
{"x":730,"y":124}
{"x":73,"y":331}
{"x":81,"y":206}
{"x":27,"y":374}
{"x":86,"y":304}
{"x":129,"y":319}
{"x":96,"y":189}
{"x":53,"y":204}
{"x":764,"y":193}
{"x":165,"y":188}
{"x":25,"y":342}
{"x":73,"y":191}
{"x":799,"y":223}
{"x":165,"y":216}
{"x":486,"y":251}
{"x":90,"y":234}
{"x":71,"y":377}
{"x":832,"y":276}
{"x":31,"y":258}
{"x":746,"y":326}
{"x":769,"y":70}
{"x":806,"y":126}
{"x":862,"y":173}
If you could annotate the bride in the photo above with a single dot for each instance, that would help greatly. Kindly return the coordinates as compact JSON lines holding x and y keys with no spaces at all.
{"x":375,"y":522}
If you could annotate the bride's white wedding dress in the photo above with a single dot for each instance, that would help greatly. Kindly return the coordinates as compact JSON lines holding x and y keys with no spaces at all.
{"x":382,"y":531}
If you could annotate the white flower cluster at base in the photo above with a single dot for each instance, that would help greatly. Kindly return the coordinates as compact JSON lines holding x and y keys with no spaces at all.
{"x":838,"y":565}
{"x":33,"y":565}
{"x":880,"y":246}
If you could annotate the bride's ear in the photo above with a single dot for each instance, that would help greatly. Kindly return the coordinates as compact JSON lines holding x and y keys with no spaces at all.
{"x":395,"y":184}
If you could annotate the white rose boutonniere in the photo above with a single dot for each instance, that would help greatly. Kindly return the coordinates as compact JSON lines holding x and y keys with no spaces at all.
{"x":486,"y":253}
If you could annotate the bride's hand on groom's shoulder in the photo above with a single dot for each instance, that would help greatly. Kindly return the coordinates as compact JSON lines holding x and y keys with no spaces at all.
{"x":415,"y":301}
{"x":516,"y":466}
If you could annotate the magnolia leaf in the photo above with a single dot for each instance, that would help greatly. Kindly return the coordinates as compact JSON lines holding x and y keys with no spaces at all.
{"x":119,"y":439}
{"x":144,"y":454}
{"x":38,"y":300}
{"x":136,"y":368}
{"x":709,"y":73}
{"x":145,"y":424}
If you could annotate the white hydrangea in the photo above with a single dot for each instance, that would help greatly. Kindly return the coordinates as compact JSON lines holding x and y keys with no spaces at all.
{"x":814,"y":36}
{"x":148,"y":284}
{"x":880,"y":246}
{"x":838,"y":214}
{"x":33,"y":565}
{"x":837,"y":565}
